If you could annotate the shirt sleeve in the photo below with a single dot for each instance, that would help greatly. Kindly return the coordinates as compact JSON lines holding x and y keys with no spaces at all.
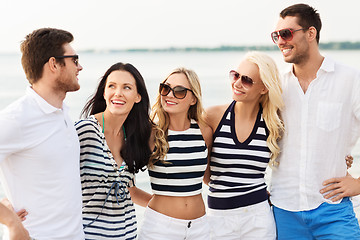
{"x":356,"y":95}
{"x":10,"y":137}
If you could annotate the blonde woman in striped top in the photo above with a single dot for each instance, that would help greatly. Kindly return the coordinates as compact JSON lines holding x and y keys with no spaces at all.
{"x":177,"y":210}
{"x":245,"y":142}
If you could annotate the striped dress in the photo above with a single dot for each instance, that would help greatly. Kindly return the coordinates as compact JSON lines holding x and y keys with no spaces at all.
{"x":108,"y":212}
{"x":238,"y":169}
{"x":183,"y":170}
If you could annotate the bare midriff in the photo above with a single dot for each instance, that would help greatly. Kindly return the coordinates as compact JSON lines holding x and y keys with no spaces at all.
{"x":187,"y":208}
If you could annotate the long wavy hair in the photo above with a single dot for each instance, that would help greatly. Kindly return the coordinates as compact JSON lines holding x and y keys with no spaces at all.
{"x":159,"y":115}
{"x":271,"y":102}
{"x":138,"y":126}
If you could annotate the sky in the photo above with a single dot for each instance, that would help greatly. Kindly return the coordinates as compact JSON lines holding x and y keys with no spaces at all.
{"x":119,"y":24}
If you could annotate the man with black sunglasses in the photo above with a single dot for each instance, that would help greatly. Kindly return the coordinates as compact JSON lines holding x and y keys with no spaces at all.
{"x":39,"y":147}
{"x":322,"y":120}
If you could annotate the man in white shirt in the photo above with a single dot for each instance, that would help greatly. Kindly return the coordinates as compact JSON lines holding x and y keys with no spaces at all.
{"x":322,"y":120}
{"x":39,"y":147}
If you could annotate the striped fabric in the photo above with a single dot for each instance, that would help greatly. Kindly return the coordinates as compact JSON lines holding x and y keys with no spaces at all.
{"x":238,"y":169}
{"x":108,"y":212}
{"x":183,"y":170}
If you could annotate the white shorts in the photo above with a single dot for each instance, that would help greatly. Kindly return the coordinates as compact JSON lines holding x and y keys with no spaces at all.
{"x":157,"y":226}
{"x":245,"y":223}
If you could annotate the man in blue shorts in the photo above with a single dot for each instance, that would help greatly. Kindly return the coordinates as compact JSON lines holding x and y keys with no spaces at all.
{"x":322,"y":120}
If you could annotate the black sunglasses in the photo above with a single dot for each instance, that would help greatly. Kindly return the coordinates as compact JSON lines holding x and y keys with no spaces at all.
{"x":246,"y":81}
{"x":75,"y":58}
{"x":179,"y":92}
{"x":286,"y":34}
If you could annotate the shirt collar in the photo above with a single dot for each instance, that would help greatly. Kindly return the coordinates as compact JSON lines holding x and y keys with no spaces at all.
{"x":42,"y":103}
{"x":328,"y":65}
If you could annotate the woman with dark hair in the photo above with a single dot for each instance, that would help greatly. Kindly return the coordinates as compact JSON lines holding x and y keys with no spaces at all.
{"x":115,"y":141}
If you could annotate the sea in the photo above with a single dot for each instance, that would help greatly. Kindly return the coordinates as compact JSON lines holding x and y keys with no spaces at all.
{"x":211,"y":67}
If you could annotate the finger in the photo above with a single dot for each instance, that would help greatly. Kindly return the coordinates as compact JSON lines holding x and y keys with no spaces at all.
{"x":333,"y":193}
{"x":330,"y":181}
{"x":22,"y":214}
{"x":329,"y":188}
{"x":337,"y":198}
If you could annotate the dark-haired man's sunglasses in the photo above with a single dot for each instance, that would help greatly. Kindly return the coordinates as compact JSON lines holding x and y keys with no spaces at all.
{"x":286,"y":34}
{"x":246,"y":81}
{"x":75,"y":58}
{"x":179,"y":92}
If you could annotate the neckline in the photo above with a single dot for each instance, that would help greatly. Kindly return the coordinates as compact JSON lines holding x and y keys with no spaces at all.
{"x":103,"y":126}
{"x":253,"y":131}
{"x":116,"y":167}
{"x":192,"y":121}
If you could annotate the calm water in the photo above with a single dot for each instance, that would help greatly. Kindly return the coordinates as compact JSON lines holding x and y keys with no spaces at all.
{"x":212,"y":68}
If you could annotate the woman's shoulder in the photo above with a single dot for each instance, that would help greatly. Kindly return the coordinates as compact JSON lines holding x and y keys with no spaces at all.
{"x":87,"y":124}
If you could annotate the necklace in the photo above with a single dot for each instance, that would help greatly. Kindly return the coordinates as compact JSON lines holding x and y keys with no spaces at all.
{"x":103,"y":126}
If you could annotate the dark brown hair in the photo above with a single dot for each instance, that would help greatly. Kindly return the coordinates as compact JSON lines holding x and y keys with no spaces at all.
{"x":39,"y":46}
{"x":307,"y":17}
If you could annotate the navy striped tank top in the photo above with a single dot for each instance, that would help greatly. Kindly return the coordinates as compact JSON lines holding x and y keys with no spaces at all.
{"x":238,"y":169}
{"x":183,"y":170}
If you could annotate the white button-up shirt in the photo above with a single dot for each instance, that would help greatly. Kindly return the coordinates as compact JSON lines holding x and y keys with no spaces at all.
{"x":40,"y":169}
{"x":321,"y":128}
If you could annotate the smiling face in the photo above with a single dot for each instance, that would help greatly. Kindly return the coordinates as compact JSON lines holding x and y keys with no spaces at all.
{"x":253,"y":93}
{"x":173,"y":105}
{"x":295,"y":50}
{"x":120,"y":92}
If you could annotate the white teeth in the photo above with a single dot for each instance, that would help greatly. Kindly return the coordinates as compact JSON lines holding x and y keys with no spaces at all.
{"x":238,"y":92}
{"x":170,"y":103}
{"x":117,"y":102}
{"x":286,"y":50}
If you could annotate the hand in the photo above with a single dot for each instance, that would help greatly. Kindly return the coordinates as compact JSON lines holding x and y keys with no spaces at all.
{"x":349,"y":161}
{"x":9,"y":218}
{"x":21,"y":213}
{"x":18,"y":232}
{"x":343,"y":186}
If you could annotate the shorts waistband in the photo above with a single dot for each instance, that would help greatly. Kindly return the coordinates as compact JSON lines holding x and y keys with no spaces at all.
{"x":164,"y":218}
{"x":261,"y":206}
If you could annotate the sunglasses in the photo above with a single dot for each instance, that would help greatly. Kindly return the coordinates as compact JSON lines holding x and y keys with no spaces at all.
{"x":75,"y":58}
{"x":246,"y":81}
{"x":179,"y":92}
{"x":286,"y":34}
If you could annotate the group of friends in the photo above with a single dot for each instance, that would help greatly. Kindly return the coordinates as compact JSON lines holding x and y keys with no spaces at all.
{"x":302,"y":124}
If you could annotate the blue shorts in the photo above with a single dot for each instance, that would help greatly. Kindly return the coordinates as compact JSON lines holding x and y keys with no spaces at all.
{"x":328,"y":221}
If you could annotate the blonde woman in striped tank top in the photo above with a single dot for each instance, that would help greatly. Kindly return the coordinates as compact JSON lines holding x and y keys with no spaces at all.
{"x":177,"y":210}
{"x":245,"y":142}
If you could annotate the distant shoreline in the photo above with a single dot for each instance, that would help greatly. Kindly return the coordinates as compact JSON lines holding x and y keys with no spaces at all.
{"x":322,"y":46}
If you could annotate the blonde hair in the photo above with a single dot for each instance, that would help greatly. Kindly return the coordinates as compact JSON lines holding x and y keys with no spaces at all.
{"x":159,"y":115}
{"x":271,"y":102}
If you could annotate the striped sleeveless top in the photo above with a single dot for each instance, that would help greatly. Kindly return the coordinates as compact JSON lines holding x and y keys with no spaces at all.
{"x":238,"y":169}
{"x":183,"y":170}
{"x":108,"y":211}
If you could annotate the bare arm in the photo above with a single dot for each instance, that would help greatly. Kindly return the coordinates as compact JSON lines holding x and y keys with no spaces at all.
{"x":21,"y":213}
{"x":13,"y":223}
{"x":212,"y":118}
{"x":139,"y":196}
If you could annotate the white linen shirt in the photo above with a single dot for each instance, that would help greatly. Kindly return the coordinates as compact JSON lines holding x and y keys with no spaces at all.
{"x":321,"y":128}
{"x":39,"y":167}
